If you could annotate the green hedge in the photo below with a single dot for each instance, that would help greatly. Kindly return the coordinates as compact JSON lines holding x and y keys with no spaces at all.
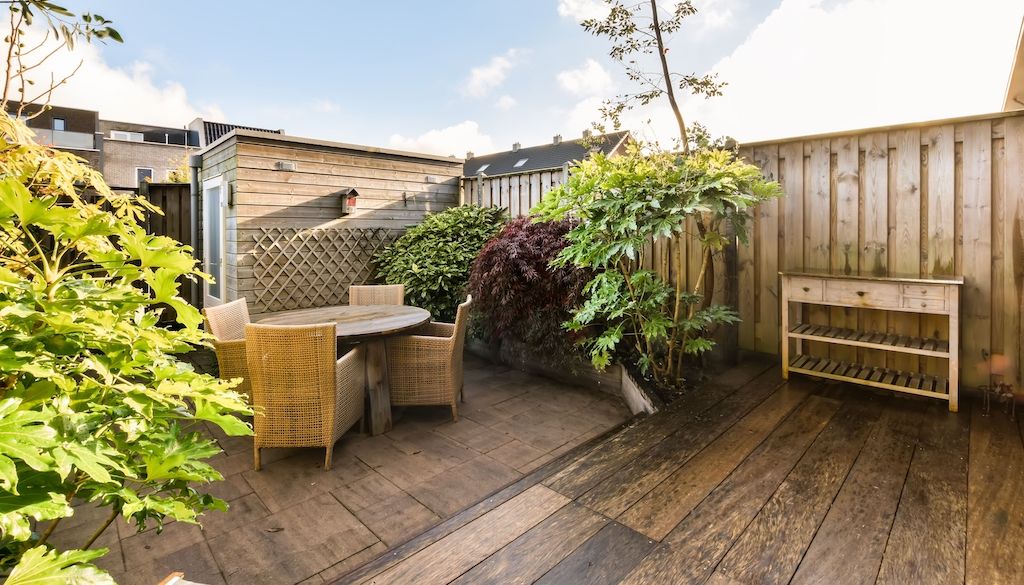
{"x":433,"y":259}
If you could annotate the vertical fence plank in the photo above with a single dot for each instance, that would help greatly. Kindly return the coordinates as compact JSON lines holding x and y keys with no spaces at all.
{"x":941,"y":226}
{"x":905,"y":231}
{"x":535,"y":194}
{"x":977,"y":251}
{"x":817,"y":220}
{"x":749,"y":290}
{"x":846,"y":229}
{"x":1013,"y":250}
{"x":998,"y":227}
{"x":766,"y":332}
{"x":791,"y":222}
{"x":514,"y":208}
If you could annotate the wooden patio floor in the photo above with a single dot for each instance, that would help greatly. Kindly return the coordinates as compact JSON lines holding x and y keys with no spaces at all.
{"x":752,"y":481}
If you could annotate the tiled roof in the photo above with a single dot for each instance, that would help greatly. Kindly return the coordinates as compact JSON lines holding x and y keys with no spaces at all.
{"x":543,"y":157}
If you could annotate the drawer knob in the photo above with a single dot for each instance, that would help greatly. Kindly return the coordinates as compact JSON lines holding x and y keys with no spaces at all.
{"x":860,"y":293}
{"x":807,"y":289}
{"x":924,"y":304}
{"x":924,"y":292}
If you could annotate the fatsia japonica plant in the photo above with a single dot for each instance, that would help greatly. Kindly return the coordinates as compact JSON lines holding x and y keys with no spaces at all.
{"x":95,"y":407}
{"x":625,"y":202}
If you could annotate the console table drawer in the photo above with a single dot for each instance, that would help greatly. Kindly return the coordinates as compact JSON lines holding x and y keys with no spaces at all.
{"x":806,"y":289}
{"x":925,"y":305}
{"x":924,"y":291}
{"x":876,"y":295}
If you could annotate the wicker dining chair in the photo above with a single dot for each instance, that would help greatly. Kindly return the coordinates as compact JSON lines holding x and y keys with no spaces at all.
{"x":303,"y":396}
{"x":426,"y":368}
{"x":376,"y":294}
{"x":227,"y":323}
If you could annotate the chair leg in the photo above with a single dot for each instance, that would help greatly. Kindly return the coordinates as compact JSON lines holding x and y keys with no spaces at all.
{"x":330,"y":454}
{"x":455,"y":412}
{"x":362,"y":425}
{"x":462,"y":395}
{"x":256,"y":457}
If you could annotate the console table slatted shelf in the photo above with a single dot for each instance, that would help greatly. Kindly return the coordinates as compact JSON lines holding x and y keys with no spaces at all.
{"x":907,"y":295}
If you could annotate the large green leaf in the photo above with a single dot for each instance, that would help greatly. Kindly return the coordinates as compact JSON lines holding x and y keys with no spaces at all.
{"x":39,"y":566}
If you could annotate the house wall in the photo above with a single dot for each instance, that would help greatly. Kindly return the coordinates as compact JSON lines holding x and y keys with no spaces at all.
{"x":395,"y":190}
{"x":121,"y":157}
{"x":939,"y":199}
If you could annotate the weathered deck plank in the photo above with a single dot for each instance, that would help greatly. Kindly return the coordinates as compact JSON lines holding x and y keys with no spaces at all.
{"x":849,"y":543}
{"x":534,"y":553}
{"x":995,"y":506}
{"x":602,"y":560}
{"x":661,"y":509}
{"x":693,"y":549}
{"x":620,"y":490}
{"x":448,"y":558}
{"x":928,"y":539}
{"x":587,"y":471}
{"x":770,"y":549}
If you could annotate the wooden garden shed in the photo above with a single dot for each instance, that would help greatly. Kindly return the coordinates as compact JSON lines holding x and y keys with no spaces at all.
{"x":285,"y":234}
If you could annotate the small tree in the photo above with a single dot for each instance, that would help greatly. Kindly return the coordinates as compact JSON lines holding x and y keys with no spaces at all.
{"x":637,"y":32}
{"x":623,"y":203}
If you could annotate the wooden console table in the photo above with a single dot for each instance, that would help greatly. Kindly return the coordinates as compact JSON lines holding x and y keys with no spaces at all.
{"x":908,"y":295}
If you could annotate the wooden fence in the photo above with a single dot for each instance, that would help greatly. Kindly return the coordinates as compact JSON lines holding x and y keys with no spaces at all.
{"x":517,"y":193}
{"x":931,"y":200}
{"x":175,"y":200}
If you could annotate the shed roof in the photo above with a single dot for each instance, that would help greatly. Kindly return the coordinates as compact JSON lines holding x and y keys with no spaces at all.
{"x":542,"y":157}
{"x":267,"y":137}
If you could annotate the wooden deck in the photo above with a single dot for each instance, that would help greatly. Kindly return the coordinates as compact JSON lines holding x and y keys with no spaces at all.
{"x":752,"y":481}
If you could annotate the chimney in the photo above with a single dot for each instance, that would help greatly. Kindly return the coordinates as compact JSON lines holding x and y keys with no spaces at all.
{"x":586,"y":135}
{"x":516,"y":146}
{"x":557,"y":139}
{"x":469,"y":154}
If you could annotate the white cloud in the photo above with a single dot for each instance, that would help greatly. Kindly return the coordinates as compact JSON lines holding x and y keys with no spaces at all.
{"x":125,"y":94}
{"x":817,"y":66}
{"x":484,"y":78}
{"x":581,"y":10}
{"x":582,"y":116}
{"x":505,"y":103}
{"x":714,"y":15}
{"x":325,"y":106}
{"x":457,"y":139}
{"x":589,"y":80}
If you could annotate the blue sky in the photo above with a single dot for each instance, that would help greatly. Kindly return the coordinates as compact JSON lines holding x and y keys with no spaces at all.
{"x":449,"y":76}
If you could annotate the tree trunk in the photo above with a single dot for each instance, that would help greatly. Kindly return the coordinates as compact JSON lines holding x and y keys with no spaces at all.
{"x":668,"y":79}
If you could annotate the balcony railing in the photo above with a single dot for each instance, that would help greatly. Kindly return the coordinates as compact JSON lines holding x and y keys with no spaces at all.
{"x":66,"y":139}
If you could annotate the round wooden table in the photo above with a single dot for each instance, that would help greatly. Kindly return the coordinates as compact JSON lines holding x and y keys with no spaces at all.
{"x":369,"y":325}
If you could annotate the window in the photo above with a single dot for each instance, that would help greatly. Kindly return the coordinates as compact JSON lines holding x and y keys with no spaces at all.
{"x":143,"y":175}
{"x":123,"y":135}
{"x":482,"y":168}
{"x":520,"y":163}
{"x":59,"y":124}
{"x":213,"y":239}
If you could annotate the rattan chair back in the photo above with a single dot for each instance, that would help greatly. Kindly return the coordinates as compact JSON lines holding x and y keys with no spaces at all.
{"x":376,"y":294}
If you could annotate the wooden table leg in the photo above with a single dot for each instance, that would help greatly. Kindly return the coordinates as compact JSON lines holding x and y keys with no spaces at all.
{"x":378,"y":387}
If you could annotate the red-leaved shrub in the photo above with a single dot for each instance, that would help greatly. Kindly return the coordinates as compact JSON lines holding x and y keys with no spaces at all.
{"x":520,"y":296}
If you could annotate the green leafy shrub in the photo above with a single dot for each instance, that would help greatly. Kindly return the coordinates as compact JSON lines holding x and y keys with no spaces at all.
{"x":433,"y":258}
{"x":625,"y":202}
{"x":521,"y":296}
{"x":94,"y":405}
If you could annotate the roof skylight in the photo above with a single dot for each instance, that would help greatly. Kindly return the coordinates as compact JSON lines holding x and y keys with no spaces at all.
{"x":482,"y":168}
{"x":521,"y":162}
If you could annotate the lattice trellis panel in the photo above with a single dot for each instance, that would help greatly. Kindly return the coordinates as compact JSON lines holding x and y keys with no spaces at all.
{"x":301,"y":268}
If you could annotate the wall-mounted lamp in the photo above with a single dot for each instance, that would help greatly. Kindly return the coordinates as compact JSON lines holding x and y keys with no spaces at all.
{"x":285,"y":165}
